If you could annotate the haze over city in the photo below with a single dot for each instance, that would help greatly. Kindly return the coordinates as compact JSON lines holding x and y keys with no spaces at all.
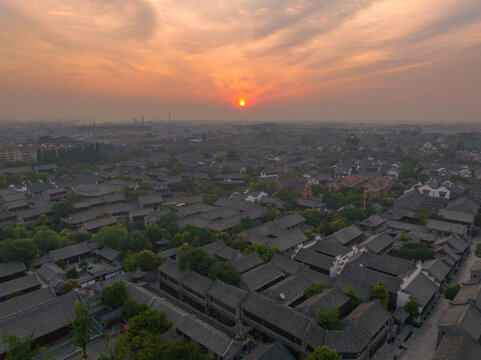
{"x":391,"y":61}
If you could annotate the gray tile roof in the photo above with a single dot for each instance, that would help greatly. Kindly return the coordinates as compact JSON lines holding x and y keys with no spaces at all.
{"x":171,"y":269}
{"x":372,"y":315}
{"x":437,"y":268}
{"x":26,"y":301}
{"x":463,"y":204}
{"x":445,"y":226}
{"x":386,"y":264}
{"x":457,"y":216}
{"x":247,"y":262}
{"x":328,"y":298}
{"x":373,"y":221}
{"x":48,"y":271}
{"x":458,"y":347}
{"x":330,"y":248}
{"x":313,"y":258}
{"x":464,"y":317}
{"x":99,"y":223}
{"x":286,"y":265}
{"x":209,"y":337}
{"x":346,"y":235}
{"x":196,"y":282}
{"x":73,"y":250}
{"x":289,"y":220}
{"x":361,"y":290}
{"x":421,"y":289}
{"x":260,"y":276}
{"x":270,"y":351}
{"x":370,"y":277}
{"x":44,"y":318}
{"x":378,"y":243}
{"x":288,"y":290}
{"x":11,"y":268}
{"x":20,"y":284}
{"x":280,"y":316}
{"x":109,"y":253}
{"x":227,"y":294}
{"x":468,"y":293}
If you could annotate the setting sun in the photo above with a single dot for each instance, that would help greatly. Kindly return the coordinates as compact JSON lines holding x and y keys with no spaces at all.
{"x":242,"y":102}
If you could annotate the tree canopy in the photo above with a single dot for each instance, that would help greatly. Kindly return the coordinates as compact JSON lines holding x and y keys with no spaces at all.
{"x":196,"y":259}
{"x":69,"y":285}
{"x":314,"y":289}
{"x":451,"y":291}
{"x":224,"y":271}
{"x":380,"y":292}
{"x":412,"y":308}
{"x":132,"y":308}
{"x":18,"y":348}
{"x":329,"y":319}
{"x":323,"y":353}
{"x":115,"y":295}
{"x":82,"y":326}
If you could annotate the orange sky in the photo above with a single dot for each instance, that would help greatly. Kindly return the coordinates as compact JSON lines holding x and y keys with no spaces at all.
{"x":389,"y":60}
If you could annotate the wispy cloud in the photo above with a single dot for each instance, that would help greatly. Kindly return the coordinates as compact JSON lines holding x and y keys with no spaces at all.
{"x":216,"y":50}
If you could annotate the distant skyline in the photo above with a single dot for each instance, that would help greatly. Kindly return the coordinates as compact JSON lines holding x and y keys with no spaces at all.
{"x":326,"y":60}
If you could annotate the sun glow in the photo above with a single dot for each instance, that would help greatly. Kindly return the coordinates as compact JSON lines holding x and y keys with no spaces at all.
{"x":242,"y":102}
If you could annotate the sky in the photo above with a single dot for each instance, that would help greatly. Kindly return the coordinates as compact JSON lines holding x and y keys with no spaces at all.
{"x":321,"y":60}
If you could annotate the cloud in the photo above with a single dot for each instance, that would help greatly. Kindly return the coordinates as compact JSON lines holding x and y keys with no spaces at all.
{"x":216,"y":51}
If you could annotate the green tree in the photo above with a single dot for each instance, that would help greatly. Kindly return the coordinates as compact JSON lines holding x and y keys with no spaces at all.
{"x":414,"y":251}
{"x":115,"y":295}
{"x":82,"y":326}
{"x":169,"y":223}
{"x":289,"y":199}
{"x":61,"y":264}
{"x":380,"y":292}
{"x":131,"y":262}
{"x":240,"y":243}
{"x":196,"y":259}
{"x":153,"y":233}
{"x":412,"y":308}
{"x":151,"y":321}
{"x":451,"y":291}
{"x":62,"y":209}
{"x":148,"y":260}
{"x":114,"y":236}
{"x":80,"y":236}
{"x":314,"y":289}
{"x":264,"y":251}
{"x":329,"y":319}
{"x":247,"y":223}
{"x":46,"y":240}
{"x":313,"y":216}
{"x":132,"y":308}
{"x":17,"y":348}
{"x":354,"y":301}
{"x":17,"y":250}
{"x":84,"y":266}
{"x":72,"y":273}
{"x":183,"y":350}
{"x":323,"y":353}
{"x":68,"y":286}
{"x":271,"y":214}
{"x":224,"y":271}
{"x":477,"y":250}
{"x":404,"y":237}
